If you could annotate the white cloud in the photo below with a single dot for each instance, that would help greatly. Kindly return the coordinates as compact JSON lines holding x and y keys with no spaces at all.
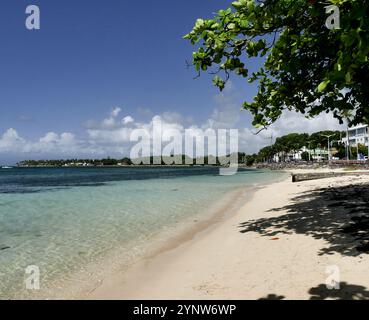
{"x":111,"y":136}
{"x":50,"y":137}
{"x":115,"y":112}
{"x":11,"y":135}
{"x":108,"y":123}
{"x":227,"y":114}
{"x":118,"y":135}
{"x":295,"y":122}
{"x":290,"y":122}
{"x":127,"y":120}
{"x":50,"y":143}
{"x":10,"y":141}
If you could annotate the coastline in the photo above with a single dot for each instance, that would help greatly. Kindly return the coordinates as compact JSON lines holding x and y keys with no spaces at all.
{"x":263,"y":250}
{"x":82,"y":281}
{"x":111,"y":268}
{"x":225,"y":209}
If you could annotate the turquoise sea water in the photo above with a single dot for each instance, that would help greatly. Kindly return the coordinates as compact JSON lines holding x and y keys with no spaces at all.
{"x":65,"y":218}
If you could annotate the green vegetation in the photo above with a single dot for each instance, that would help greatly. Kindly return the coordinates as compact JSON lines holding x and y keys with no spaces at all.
{"x":121,"y":162}
{"x":284,"y":148}
{"x":75,"y":162}
{"x":292,"y":143}
{"x":307,"y":67}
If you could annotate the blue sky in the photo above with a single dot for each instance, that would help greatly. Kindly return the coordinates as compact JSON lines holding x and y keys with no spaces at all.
{"x":93,"y":56}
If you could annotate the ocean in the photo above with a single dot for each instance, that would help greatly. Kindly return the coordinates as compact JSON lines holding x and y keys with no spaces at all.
{"x":63,"y":220}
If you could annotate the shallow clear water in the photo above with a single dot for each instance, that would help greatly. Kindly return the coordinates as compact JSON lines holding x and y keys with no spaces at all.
{"x":62,"y":219}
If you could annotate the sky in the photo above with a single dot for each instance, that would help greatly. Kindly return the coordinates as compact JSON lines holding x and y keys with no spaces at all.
{"x":97,"y":69}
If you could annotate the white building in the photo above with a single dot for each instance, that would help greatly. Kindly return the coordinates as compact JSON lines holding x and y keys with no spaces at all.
{"x":316,"y":154}
{"x":357,"y":135}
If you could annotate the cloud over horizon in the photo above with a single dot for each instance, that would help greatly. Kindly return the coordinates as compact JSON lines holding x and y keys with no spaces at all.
{"x":111,"y":135}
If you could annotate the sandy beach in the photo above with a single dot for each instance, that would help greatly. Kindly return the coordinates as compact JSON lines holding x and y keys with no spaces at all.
{"x":284,"y":243}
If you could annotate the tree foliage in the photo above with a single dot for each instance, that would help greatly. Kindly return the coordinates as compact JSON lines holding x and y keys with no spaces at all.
{"x":307,"y":67}
{"x":294,"y":142}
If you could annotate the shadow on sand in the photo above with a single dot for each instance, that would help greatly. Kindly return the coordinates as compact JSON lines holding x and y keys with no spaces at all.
{"x":345,"y":292}
{"x":273,"y":297}
{"x":321,"y":292}
{"x":338,"y":215}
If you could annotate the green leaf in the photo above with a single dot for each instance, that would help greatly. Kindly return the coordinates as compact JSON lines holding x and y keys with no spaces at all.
{"x":237,"y":4}
{"x":348,"y":77}
{"x":302,"y":61}
{"x":323,"y":85}
{"x":219,"y":82}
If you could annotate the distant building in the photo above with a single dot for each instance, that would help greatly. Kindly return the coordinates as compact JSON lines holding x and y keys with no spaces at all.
{"x":357,"y":135}
{"x":315,"y":154}
{"x":318,"y":154}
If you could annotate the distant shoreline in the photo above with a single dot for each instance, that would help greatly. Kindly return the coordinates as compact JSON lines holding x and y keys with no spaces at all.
{"x":132,"y":166}
{"x":136,"y":166}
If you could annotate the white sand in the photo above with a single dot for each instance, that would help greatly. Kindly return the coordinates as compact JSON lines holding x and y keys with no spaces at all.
{"x":220,"y":262}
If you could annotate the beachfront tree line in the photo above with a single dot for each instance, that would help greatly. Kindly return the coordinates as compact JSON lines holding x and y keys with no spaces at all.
{"x":75,"y":162}
{"x":307,"y":67}
{"x":284,"y":147}
{"x":287,"y":146}
{"x":111,"y":162}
